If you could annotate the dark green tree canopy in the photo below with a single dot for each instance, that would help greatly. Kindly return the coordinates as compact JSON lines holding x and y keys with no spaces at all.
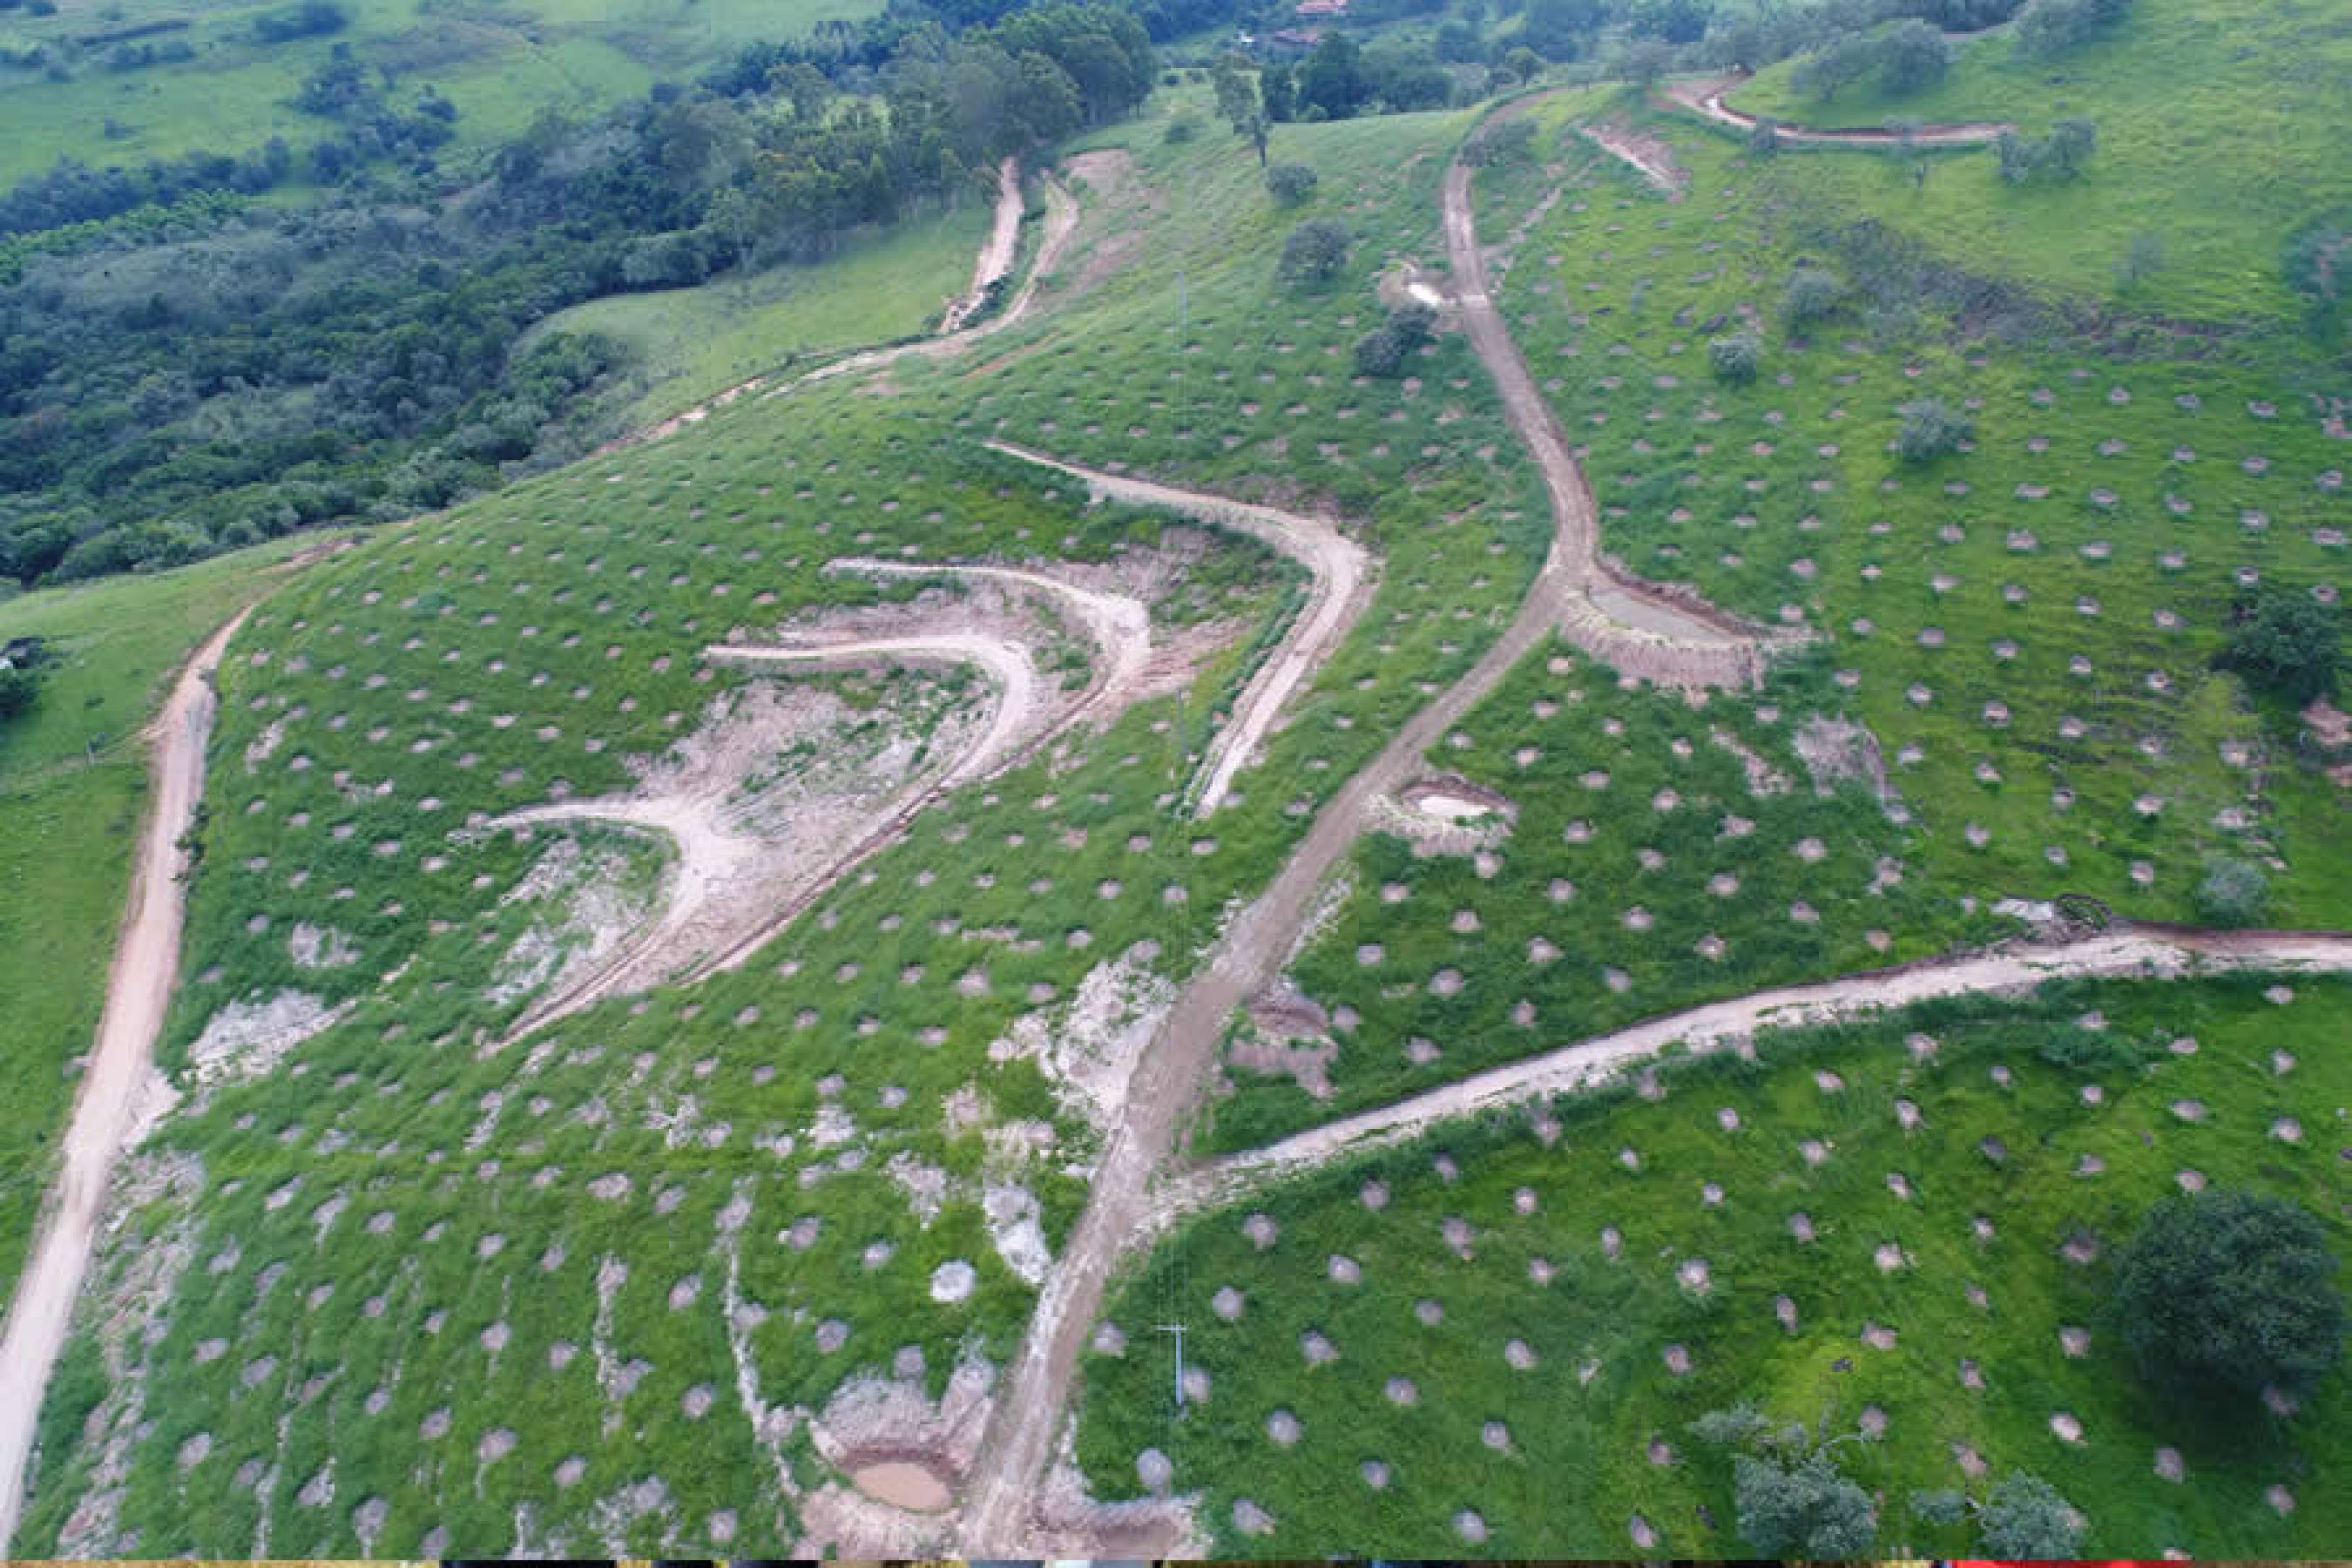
{"x":2230,"y":1293}
{"x":2287,"y":642}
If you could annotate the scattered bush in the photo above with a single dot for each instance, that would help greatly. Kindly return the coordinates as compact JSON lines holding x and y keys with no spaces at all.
{"x":2047,"y":27}
{"x":1912,"y":55}
{"x":2024,"y":1516}
{"x":1823,"y":72}
{"x":1764,"y":136}
{"x":1643,"y":62}
{"x":2225,"y":1291}
{"x":1807,"y":1508}
{"x":1290,"y":184}
{"x":2144,"y":258}
{"x":2061,"y":155}
{"x":2286,"y":643}
{"x":2233,"y":893}
{"x":310,"y":19}
{"x":1811,"y":294}
{"x":18,"y":690}
{"x":1501,"y":141}
{"x":1181,"y":130}
{"x":1734,"y":356}
{"x":1314,"y":252}
{"x":1384,"y":350}
{"x":1930,"y":427}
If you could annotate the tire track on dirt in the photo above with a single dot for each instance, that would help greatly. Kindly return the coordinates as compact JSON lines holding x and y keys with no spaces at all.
{"x":2149,"y":951}
{"x":1341,"y":570}
{"x":138,"y":995}
{"x":1704,"y":96}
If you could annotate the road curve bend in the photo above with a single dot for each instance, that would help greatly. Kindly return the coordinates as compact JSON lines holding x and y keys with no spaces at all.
{"x":2131,"y":951}
{"x":1703,"y":95}
{"x":1341,"y":570}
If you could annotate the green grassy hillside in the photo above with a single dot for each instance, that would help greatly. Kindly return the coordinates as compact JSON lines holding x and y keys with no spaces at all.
{"x":2210,"y":139}
{"x":73,"y":777}
{"x":500,"y":65}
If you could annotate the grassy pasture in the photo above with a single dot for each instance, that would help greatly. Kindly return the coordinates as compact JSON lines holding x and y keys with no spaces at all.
{"x":692,"y":344}
{"x":1613,"y":1196}
{"x":469,"y":660}
{"x":73,"y":778}
{"x":2210,"y":139}
{"x":500,"y":64}
{"x":2026,"y":625}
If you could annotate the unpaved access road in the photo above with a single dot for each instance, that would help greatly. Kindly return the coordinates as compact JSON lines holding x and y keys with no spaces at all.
{"x":1120,"y":626}
{"x":1676,"y":642}
{"x":138,"y":993}
{"x":1704,"y":96}
{"x":995,"y":259}
{"x":1339,"y":570}
{"x":2130,"y":952}
{"x":1061,"y":221}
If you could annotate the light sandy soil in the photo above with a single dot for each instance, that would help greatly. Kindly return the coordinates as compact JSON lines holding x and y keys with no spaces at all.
{"x":995,"y":259}
{"x":737,"y":879}
{"x":1119,"y":623}
{"x":2134,"y":952}
{"x":1651,"y":158}
{"x":1704,"y":96}
{"x":1341,"y":570}
{"x":138,"y":990}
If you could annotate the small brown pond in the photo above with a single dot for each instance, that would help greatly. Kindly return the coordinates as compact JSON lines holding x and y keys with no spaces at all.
{"x":903,"y":1483}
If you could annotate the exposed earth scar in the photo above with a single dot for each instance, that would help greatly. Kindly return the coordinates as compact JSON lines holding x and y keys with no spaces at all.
{"x":1704,"y":96}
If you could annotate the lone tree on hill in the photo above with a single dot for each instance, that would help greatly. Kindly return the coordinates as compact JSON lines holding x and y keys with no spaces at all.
{"x":2228,"y":1291}
{"x":2021,"y":1516}
{"x":2286,"y":643}
{"x":1239,"y":102}
{"x":1314,"y":253}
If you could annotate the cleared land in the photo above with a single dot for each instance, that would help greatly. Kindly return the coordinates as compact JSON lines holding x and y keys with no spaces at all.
{"x":798,"y":1252}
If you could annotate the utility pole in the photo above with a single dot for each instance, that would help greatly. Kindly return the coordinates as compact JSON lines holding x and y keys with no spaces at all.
{"x":1178,"y":1329}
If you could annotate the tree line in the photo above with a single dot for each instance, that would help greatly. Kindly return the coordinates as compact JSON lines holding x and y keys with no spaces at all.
{"x":192,"y":377}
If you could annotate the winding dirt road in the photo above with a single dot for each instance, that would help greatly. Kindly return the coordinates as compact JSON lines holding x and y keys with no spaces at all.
{"x":1339,"y":570}
{"x":138,"y":993}
{"x":1635,"y":625}
{"x":2132,"y":952}
{"x":1703,"y":95}
{"x":1061,"y":222}
{"x":1120,"y":626}
{"x":995,"y":259}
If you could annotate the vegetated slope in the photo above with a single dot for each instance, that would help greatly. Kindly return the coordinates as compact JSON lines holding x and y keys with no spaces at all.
{"x":1950,"y":743}
{"x":400,"y":1254}
{"x":689,"y":344}
{"x":501,"y":66}
{"x":2026,"y":622}
{"x":72,"y":781}
{"x":1498,"y":1337}
{"x":2212,"y":140}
